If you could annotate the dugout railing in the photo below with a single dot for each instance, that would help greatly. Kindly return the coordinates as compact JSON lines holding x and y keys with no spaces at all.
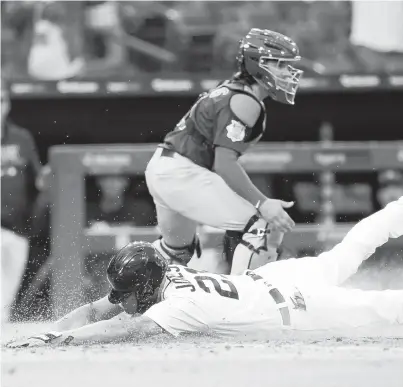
{"x":71,"y":241}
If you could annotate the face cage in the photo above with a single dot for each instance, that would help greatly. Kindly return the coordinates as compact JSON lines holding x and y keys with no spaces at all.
{"x":147,"y":292}
{"x":149,"y":288}
{"x":286,"y":82}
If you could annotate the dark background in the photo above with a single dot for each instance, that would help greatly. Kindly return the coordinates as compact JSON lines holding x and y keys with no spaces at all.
{"x":355,"y":116}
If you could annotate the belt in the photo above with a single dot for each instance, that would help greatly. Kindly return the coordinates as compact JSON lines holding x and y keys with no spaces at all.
{"x":277,"y":297}
{"x":167,"y":152}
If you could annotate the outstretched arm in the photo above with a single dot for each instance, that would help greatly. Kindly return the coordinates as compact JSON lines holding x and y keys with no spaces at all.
{"x":90,"y":313}
{"x":175,"y":316}
{"x":362,"y":241}
{"x":120,"y":328}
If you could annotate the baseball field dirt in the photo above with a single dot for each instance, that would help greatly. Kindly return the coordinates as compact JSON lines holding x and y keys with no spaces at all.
{"x":362,"y":358}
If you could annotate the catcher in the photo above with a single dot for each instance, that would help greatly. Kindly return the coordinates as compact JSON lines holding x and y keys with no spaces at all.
{"x":297,"y":294}
{"x":194,"y":175}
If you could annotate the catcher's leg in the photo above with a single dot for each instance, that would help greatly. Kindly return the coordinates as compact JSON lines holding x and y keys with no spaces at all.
{"x":199,"y":195}
{"x":196,"y":193}
{"x":178,"y":241}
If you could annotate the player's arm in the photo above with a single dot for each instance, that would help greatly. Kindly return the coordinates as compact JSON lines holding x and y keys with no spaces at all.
{"x":227,"y":151}
{"x":228,"y":167}
{"x":362,"y":241}
{"x":90,"y":313}
{"x":120,"y":328}
{"x":226,"y":163}
{"x":175,"y":316}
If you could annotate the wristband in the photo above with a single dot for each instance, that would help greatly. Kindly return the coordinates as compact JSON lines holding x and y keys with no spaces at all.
{"x":258,"y":204}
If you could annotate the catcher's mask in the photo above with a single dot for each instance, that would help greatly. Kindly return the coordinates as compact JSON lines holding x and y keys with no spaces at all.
{"x":136,"y":269}
{"x":267,"y":57}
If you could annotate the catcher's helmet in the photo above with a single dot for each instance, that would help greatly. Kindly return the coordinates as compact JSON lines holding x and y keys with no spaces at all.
{"x":137,"y":268}
{"x":265,"y":55}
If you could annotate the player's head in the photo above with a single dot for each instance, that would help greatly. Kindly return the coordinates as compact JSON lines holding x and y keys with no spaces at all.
{"x":266,"y":56}
{"x":138,"y":270}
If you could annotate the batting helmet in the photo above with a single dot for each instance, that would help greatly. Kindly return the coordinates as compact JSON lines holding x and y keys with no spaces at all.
{"x":265,"y":55}
{"x":137,"y":268}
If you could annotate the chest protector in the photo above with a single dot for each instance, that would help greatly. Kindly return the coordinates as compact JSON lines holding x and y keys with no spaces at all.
{"x":194,"y":136}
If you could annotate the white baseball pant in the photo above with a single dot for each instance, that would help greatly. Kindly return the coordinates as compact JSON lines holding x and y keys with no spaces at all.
{"x":328,"y":305}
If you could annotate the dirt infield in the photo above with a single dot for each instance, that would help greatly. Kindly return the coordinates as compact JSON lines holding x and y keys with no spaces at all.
{"x":363,"y":358}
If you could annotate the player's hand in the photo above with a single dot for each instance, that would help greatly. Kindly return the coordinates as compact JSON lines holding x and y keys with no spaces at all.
{"x":273,"y":212}
{"x":42,"y":340}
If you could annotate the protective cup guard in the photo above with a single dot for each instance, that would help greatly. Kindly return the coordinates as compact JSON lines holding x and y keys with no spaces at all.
{"x":254,"y":239}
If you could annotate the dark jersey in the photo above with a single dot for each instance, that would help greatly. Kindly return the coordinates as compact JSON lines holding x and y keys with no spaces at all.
{"x":211,"y":122}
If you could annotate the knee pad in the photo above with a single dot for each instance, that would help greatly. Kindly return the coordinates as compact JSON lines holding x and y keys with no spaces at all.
{"x":178,"y":255}
{"x":253,"y":250}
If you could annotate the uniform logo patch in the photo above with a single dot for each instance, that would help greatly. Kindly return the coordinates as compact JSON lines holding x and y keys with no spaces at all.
{"x":298,"y":301}
{"x":218,"y":92}
{"x":236,"y":131}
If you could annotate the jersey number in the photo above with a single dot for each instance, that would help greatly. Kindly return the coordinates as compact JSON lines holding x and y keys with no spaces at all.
{"x":232,"y":293}
{"x":201,"y":280}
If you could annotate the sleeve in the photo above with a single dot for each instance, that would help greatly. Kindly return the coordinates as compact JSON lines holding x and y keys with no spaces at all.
{"x":234,"y":123}
{"x":178,"y":315}
{"x":362,"y":241}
